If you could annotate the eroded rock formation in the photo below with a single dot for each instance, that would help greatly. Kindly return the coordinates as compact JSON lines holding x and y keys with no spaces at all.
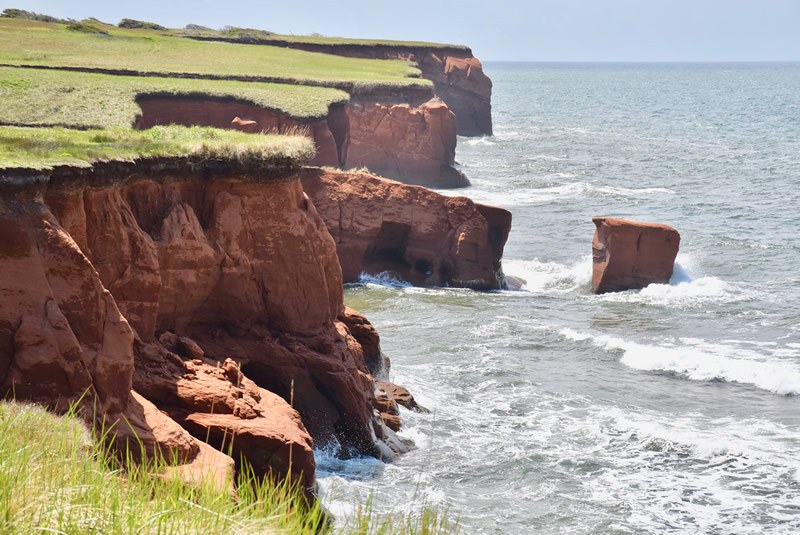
{"x":421,"y":236}
{"x":244,"y":116}
{"x":215,"y":297}
{"x":631,"y":255}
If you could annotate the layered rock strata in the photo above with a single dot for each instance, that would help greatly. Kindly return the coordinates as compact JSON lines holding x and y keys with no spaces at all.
{"x":457,"y":76}
{"x":413,"y":233}
{"x":630,"y":255}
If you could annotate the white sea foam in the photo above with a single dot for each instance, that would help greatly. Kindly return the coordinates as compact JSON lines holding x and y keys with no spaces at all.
{"x":547,"y":277}
{"x":485,"y":141}
{"x":563,"y":191}
{"x":385,"y":279}
{"x":699,"y":360}
{"x":684,"y":290}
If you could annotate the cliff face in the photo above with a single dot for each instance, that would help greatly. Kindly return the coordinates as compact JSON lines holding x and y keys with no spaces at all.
{"x":421,"y":236}
{"x":411,"y":138}
{"x":457,"y":75}
{"x":412,"y":144}
{"x":206,"y":294}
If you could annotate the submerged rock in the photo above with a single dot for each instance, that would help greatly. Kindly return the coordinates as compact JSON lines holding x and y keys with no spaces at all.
{"x":629,"y":255}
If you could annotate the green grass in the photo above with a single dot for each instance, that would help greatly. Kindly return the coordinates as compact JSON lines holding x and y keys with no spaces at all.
{"x":44,"y":148}
{"x":55,"y":478}
{"x":87,"y":100}
{"x":266,"y":37}
{"x":33,"y":43}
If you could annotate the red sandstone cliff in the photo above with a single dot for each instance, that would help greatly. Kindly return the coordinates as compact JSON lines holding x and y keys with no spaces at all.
{"x":457,"y":75}
{"x":407,"y":138}
{"x":208,"y":294}
{"x":425,"y":238}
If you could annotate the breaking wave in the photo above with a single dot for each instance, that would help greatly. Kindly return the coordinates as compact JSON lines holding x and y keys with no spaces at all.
{"x":699,"y":360}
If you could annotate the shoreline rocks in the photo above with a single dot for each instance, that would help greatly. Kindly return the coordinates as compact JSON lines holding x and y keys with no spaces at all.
{"x":629,"y":255}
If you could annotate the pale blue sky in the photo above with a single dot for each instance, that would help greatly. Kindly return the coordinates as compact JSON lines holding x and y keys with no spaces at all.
{"x":534,"y":30}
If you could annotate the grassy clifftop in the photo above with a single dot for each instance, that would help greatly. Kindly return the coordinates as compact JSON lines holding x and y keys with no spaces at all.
{"x":35,"y":97}
{"x":45,"y":148}
{"x":33,"y":43}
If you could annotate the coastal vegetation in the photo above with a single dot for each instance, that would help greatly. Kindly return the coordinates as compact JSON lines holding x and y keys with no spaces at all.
{"x":44,"y":148}
{"x":133,"y":51}
{"x":57,"y":477}
{"x":244,"y":35}
{"x":69,"y":96}
{"x":36,"y":97}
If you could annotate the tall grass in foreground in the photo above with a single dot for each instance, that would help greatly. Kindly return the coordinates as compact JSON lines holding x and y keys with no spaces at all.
{"x":54,"y":478}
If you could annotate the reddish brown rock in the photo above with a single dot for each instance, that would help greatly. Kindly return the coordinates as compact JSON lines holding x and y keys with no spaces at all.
{"x":208,"y":467}
{"x":399,"y":395}
{"x":392,"y":421}
{"x":258,"y":280}
{"x":218,"y":404}
{"x":369,"y":340}
{"x":457,"y":75}
{"x":421,"y":236}
{"x":144,"y":433}
{"x":460,"y":81}
{"x":630,"y":255}
{"x":412,"y":144}
{"x":62,"y":337}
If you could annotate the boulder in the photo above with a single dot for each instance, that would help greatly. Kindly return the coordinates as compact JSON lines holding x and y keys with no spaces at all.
{"x":219,"y":405}
{"x":399,"y":395}
{"x":629,"y":255}
{"x":208,"y":467}
{"x":421,"y":236}
{"x":367,"y":336}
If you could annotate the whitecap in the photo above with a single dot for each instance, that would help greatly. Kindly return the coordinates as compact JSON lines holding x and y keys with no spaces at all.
{"x":683,"y":290}
{"x":631,"y":192}
{"x":699,"y":360}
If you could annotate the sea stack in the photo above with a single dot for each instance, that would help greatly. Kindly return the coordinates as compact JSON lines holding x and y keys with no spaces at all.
{"x":629,"y":255}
